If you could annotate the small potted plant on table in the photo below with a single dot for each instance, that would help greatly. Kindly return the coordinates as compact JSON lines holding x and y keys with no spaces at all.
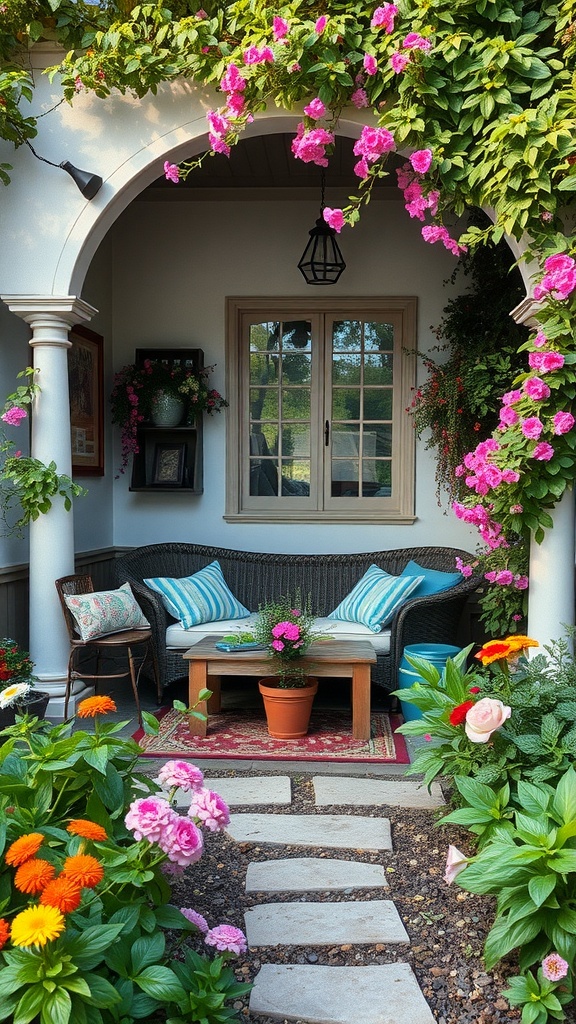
{"x":284,"y":627}
{"x":17,"y":695}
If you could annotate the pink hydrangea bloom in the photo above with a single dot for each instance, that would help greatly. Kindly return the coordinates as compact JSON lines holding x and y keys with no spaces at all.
{"x":359,"y":98}
{"x":543,"y":452}
{"x":532,"y":427}
{"x":455,"y":863}
{"x":421,"y":160}
{"x":211,"y":810}
{"x":182,"y":841}
{"x":315,"y":109}
{"x":148,"y":818}
{"x":383,"y":17}
{"x":182,"y":774}
{"x":554,"y":967}
{"x":321,"y":24}
{"x":536,"y":389}
{"x":280,"y":28}
{"x":14,"y":415}
{"x":399,"y":61}
{"x":171,"y":172}
{"x":227,"y":939}
{"x":414,"y":41}
{"x":335,"y":220}
{"x":563,"y":422}
{"x":195,"y":918}
{"x":370,"y":64}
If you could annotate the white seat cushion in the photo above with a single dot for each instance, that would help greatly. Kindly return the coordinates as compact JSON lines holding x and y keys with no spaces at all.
{"x":179,"y":638}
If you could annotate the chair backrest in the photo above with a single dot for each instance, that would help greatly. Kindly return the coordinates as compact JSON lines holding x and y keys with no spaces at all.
{"x":71,"y":586}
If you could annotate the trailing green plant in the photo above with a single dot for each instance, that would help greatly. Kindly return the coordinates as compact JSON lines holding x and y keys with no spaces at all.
{"x":460,"y":397}
{"x":27,"y":485}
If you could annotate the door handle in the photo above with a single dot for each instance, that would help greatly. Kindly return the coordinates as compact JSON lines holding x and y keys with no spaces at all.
{"x":327,"y":433}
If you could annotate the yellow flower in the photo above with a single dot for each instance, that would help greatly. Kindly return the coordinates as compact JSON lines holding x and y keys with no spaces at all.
{"x":36,"y":926}
{"x":519,"y":642}
{"x":11,"y":693}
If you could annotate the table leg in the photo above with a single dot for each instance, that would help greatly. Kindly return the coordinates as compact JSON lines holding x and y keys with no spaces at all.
{"x":215,"y":701}
{"x":361,"y":702}
{"x":197,"y":682}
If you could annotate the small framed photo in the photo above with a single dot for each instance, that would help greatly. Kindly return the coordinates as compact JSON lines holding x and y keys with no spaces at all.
{"x":169,"y":462}
{"x":85,"y":357}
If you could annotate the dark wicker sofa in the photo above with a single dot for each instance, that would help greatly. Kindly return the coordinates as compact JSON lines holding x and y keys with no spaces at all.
{"x":255,"y":578}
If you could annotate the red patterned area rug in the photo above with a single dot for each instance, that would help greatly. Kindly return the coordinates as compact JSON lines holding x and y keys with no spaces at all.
{"x":243,"y":735}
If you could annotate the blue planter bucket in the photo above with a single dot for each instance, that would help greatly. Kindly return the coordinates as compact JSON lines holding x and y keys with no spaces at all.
{"x":437,"y":654}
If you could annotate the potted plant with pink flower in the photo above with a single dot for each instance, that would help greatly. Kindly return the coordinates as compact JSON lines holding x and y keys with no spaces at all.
{"x":284,"y":627}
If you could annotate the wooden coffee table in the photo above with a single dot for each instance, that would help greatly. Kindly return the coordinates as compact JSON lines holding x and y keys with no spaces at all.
{"x":337,"y":658}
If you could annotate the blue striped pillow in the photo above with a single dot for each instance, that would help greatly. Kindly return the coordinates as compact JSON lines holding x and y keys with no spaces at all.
{"x":376,"y":598}
{"x":203,"y":597}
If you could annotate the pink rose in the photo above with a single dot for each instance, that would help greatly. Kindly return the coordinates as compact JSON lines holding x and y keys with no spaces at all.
{"x":455,"y":863}
{"x":484,"y":718}
{"x":563,"y":422}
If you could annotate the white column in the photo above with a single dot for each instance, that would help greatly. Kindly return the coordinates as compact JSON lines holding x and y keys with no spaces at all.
{"x":551,"y":573}
{"x":52,"y":534}
{"x":551,"y":593}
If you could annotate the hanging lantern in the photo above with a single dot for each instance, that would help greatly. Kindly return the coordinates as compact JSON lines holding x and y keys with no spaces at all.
{"x":321,"y":262}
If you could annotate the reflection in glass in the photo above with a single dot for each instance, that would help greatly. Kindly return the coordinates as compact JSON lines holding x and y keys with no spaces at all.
{"x":296,"y":404}
{"x":378,"y":336}
{"x":263,"y":477}
{"x":377,"y":479}
{"x":378,"y":404}
{"x":264,"y":439}
{"x":378,"y":439}
{"x":295,"y":477}
{"x":263,"y":403}
{"x":297,"y":334}
{"x":345,"y":440}
{"x":296,"y":368}
{"x":346,"y":334}
{"x":346,"y":369}
{"x":260,"y":335}
{"x":346,"y":404}
{"x":263,"y":369}
{"x":378,"y":369}
{"x":345,"y":478}
{"x":296,"y":440}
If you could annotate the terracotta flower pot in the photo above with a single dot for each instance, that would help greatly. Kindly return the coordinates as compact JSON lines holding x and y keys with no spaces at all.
{"x":287,"y":709}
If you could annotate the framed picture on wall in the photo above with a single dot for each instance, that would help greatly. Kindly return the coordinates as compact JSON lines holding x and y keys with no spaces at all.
{"x":168,"y":470}
{"x":85,"y":382}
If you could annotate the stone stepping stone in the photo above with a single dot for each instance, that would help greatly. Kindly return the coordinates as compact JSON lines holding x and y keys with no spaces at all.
{"x":341,"y":831}
{"x":324,"y":924}
{"x":313,"y":874}
{"x":338,"y":791}
{"x":243,"y":792}
{"x":387,"y":994}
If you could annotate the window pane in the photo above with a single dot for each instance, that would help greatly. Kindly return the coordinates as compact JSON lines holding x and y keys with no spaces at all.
{"x":263,"y":403}
{"x":296,"y":368}
{"x":296,"y":404}
{"x":346,"y":404}
{"x":344,"y":478}
{"x":346,"y":334}
{"x":378,"y":440}
{"x":377,"y":480}
{"x":346,"y":369}
{"x":264,"y":336}
{"x":296,"y":477}
{"x":378,"y":336}
{"x":378,"y":369}
{"x":345,"y":440}
{"x":264,"y":439}
{"x":263,"y":477}
{"x":296,"y":440}
{"x":377,"y":403}
{"x":296,"y":334}
{"x":263,"y":369}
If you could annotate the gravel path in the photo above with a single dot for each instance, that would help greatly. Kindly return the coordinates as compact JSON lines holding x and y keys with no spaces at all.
{"x":447,"y":926}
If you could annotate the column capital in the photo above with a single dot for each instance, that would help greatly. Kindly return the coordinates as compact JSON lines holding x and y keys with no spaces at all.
{"x":525,"y":311}
{"x":43,"y":310}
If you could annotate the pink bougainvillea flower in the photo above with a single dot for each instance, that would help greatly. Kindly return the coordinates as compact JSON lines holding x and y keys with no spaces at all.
{"x":280,"y":28}
{"x":532,"y":427}
{"x":315,"y":109}
{"x":334,"y":218}
{"x":321,"y":24}
{"x":171,"y":173}
{"x":559,"y":279}
{"x":232,"y":80}
{"x":294,"y":68}
{"x":455,"y":863}
{"x":227,"y":939}
{"x":540,"y":340}
{"x":359,"y":98}
{"x":414,"y":41}
{"x":511,"y":396}
{"x":421,"y":160}
{"x":545,"y":362}
{"x":362,"y":168}
{"x":563,"y":422}
{"x":484,"y":718}
{"x":521,"y":582}
{"x":373,"y":142}
{"x":399,"y":61}
{"x":504,"y":577}
{"x":508,"y":416}
{"x":543,"y":452}
{"x":554,"y":967}
{"x":383,"y":17}
{"x":255,"y":56}
{"x":310,"y":146}
{"x":536,"y":389}
{"x":370,"y":64}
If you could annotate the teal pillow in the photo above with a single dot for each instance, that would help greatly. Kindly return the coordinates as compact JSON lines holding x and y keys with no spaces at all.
{"x":434,"y":581}
{"x":376,"y":598}
{"x":203,"y":597}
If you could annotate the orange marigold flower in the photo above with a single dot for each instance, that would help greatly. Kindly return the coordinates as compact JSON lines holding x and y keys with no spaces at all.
{"x":87,"y":829}
{"x":83,"y":869}
{"x":34,"y":875}
{"x":493,"y":651}
{"x":95,"y":706}
{"x":23,"y":848}
{"x":36,"y":926}
{"x":519,"y":642}
{"x":63,"y":893}
{"x":4,"y":932}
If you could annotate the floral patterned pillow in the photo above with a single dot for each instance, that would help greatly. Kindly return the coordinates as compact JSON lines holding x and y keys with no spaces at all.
{"x":106,"y":611}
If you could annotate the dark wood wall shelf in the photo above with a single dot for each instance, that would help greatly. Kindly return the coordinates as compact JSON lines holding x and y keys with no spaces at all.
{"x":163,"y":449}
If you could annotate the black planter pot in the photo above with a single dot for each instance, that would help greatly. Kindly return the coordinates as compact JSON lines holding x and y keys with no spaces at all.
{"x":34,"y":703}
